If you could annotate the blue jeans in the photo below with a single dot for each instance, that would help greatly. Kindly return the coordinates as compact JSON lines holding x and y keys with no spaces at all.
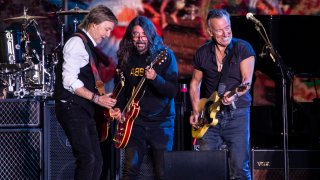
{"x":233,"y":131}
{"x":80,"y":128}
{"x":160,"y":139}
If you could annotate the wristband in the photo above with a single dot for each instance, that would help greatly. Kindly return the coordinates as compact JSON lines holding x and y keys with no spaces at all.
{"x":96,"y":98}
{"x":92,"y":97}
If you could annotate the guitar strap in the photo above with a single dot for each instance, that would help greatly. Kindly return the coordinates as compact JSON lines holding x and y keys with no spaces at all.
{"x":91,"y":59}
{"x":225,"y":70}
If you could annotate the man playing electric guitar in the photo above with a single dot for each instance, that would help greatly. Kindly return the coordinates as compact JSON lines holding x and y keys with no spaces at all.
{"x":105,"y":116}
{"x":221,"y":65}
{"x":154,"y":88}
{"x":208,"y":109}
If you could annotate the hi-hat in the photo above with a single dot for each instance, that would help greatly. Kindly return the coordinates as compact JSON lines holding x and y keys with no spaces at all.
{"x":74,"y":11}
{"x":24,"y":18}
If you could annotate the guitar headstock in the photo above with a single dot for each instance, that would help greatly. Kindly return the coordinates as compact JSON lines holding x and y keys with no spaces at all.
{"x":161,"y":57}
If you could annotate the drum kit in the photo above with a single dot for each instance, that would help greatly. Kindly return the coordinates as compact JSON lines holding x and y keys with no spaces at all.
{"x":27,"y":71}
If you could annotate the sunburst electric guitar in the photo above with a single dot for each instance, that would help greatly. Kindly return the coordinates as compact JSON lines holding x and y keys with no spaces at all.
{"x":103,"y":122}
{"x":208,"y":109}
{"x":132,"y":108}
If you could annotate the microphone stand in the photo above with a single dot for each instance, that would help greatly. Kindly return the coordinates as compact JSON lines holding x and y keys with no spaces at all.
{"x":285,"y":74}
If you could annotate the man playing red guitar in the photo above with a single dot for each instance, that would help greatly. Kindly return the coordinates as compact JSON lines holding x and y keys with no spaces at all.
{"x":147,"y":100}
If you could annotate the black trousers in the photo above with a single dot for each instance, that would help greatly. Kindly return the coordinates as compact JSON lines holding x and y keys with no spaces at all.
{"x":160,"y":139}
{"x":81,"y":131}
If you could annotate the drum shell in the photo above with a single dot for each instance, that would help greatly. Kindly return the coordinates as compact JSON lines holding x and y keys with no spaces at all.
{"x":10,"y":47}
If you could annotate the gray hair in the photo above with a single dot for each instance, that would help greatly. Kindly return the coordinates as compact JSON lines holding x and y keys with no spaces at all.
{"x":98,"y":15}
{"x":217,"y":13}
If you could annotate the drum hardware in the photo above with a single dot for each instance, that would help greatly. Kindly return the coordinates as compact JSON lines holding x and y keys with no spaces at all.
{"x":40,"y":70}
{"x":30,"y":78}
{"x":75,"y":11}
{"x":10,"y":85}
{"x":75,"y":24}
{"x":21,"y":93}
{"x":10,"y":48}
{"x":12,"y":68}
{"x":3,"y":89}
{"x":24,"y":17}
{"x":31,"y":74}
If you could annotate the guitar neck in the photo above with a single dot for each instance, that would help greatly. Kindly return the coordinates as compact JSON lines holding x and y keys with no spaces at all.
{"x":160,"y":57}
{"x":117,"y":90}
{"x":135,"y":93}
{"x":241,"y":88}
{"x":233,"y":92}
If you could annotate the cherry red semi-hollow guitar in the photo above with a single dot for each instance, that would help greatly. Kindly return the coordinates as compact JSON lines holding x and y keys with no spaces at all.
{"x":132,"y":108}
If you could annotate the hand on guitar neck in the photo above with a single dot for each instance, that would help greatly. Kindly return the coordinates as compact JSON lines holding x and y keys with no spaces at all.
{"x":104,"y":99}
{"x":103,"y":120}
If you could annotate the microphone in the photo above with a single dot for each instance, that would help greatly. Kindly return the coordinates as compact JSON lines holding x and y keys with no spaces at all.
{"x":250,"y":17}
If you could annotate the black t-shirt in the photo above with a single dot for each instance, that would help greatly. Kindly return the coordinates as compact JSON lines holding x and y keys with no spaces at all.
{"x":205,"y":61}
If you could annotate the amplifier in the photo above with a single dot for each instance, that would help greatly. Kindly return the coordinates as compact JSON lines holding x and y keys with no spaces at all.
{"x":190,"y":165}
{"x":19,"y":113}
{"x":268,"y":164}
{"x":59,"y":162}
{"x":21,"y":154}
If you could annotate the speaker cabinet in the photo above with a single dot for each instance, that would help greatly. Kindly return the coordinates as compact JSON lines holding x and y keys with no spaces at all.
{"x":190,"y":165}
{"x":20,"y":154}
{"x":269,"y":164}
{"x":15,"y":113}
{"x":59,"y":160}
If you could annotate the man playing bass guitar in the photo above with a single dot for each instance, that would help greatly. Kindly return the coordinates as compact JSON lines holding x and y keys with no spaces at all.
{"x":220,"y":65}
{"x":147,"y":100}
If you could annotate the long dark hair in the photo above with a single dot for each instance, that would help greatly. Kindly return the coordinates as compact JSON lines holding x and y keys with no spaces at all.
{"x":126,"y":46}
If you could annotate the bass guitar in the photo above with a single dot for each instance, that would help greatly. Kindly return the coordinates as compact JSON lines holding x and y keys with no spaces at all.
{"x":132,"y":108}
{"x":103,"y":121}
{"x":208,"y":109}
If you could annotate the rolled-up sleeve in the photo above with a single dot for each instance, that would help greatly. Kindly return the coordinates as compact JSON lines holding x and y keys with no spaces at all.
{"x":75,"y":57}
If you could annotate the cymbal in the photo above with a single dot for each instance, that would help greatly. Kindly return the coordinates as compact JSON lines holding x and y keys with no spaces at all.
{"x":24,"y":18}
{"x":74,"y":11}
{"x":10,"y":68}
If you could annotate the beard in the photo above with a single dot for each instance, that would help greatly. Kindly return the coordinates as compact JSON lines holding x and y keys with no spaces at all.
{"x":141,"y":47}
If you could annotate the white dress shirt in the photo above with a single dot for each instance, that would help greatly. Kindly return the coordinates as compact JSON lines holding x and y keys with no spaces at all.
{"x":75,"y":57}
